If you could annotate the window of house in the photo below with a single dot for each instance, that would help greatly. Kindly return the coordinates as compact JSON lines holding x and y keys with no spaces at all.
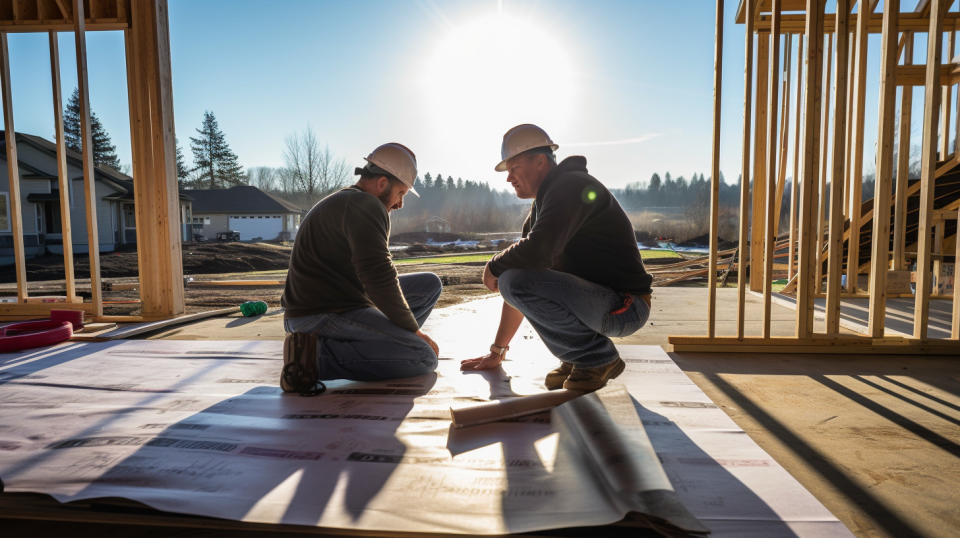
{"x":129,"y":217}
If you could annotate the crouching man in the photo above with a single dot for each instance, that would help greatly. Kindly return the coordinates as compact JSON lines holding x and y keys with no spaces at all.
{"x":348,"y":314}
{"x":576,"y":273}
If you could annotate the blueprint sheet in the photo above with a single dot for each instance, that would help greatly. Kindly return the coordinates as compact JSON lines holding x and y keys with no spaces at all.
{"x":200,"y":427}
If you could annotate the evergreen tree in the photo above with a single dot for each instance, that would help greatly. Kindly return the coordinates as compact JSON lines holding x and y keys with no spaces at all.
{"x":104,"y":152}
{"x":216,"y":164}
{"x":182,"y":172}
{"x":427,"y":181}
{"x":655,"y":182}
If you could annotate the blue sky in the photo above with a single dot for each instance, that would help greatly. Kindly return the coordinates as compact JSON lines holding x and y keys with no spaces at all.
{"x":626,"y":83}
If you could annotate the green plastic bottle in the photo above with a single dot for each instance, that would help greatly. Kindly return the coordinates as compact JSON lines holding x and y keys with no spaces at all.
{"x":253,"y":308}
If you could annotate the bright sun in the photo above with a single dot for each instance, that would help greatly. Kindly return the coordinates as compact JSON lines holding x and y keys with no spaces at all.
{"x":493,"y":72}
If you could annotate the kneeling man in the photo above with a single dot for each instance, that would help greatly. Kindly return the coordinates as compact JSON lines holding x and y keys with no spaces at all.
{"x":350,"y":316}
{"x":576,"y":273}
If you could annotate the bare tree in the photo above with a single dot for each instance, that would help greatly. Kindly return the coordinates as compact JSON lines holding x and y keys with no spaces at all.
{"x":263,"y":178}
{"x":311,"y":170}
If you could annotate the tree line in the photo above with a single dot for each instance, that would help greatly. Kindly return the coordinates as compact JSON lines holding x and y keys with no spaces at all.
{"x":312,"y":171}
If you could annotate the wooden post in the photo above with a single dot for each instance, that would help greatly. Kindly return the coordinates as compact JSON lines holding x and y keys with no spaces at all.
{"x":956,"y":128}
{"x":784,"y":132}
{"x":848,"y":143}
{"x":835,"y":242}
{"x":856,"y":202}
{"x":824,"y":154}
{"x":955,"y":325}
{"x":759,"y":163}
{"x":744,"y":251}
{"x":797,"y":148}
{"x":928,"y":166}
{"x":938,"y":231}
{"x":945,"y":107}
{"x":903,"y":167}
{"x":156,"y":197}
{"x":715,"y":174}
{"x":86,"y":150}
{"x":770,"y":238}
{"x":13,"y":172}
{"x":881,"y":200}
{"x":63,"y":177}
{"x":811,"y":133}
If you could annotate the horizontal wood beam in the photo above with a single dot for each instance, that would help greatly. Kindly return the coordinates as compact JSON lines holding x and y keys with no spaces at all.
{"x":61,"y":26}
{"x":11,"y":311}
{"x":913,"y":75}
{"x":793,"y":23}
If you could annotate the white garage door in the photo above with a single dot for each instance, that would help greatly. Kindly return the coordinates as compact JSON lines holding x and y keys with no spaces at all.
{"x":265,"y":227}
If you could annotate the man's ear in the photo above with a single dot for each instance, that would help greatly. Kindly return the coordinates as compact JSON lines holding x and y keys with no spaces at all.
{"x":383,"y":183}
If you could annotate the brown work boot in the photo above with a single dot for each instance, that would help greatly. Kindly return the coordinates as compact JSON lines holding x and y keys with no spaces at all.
{"x":591,"y":379}
{"x":300,"y":369}
{"x":557,"y":376}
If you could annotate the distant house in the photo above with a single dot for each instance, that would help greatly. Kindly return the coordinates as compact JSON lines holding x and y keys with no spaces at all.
{"x":40,"y":202}
{"x":244,"y":209}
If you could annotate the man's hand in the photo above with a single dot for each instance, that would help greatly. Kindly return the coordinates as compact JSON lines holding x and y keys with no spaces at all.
{"x":430,"y":342}
{"x":487,"y":362}
{"x":489,"y":280}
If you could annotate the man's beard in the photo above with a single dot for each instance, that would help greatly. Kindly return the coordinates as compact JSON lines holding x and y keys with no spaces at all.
{"x":385,"y":198}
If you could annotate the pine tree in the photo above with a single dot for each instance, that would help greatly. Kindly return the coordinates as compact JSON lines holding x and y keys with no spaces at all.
{"x":216,"y":164}
{"x":182,"y":172}
{"x":104,"y":152}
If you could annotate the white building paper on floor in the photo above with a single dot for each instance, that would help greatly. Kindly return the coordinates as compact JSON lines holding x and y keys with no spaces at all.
{"x":201,"y":428}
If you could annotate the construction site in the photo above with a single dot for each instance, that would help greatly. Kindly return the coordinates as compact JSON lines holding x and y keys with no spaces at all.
{"x":801,"y":380}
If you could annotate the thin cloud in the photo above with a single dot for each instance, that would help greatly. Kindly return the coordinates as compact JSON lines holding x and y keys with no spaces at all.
{"x":621,"y":142}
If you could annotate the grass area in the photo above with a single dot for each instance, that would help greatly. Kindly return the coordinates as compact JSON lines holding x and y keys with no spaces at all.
{"x":466,"y":258}
{"x":655,"y":254}
{"x":456,"y":258}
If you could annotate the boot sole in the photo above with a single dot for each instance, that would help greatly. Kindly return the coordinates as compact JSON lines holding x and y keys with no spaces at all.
{"x":299,"y":372}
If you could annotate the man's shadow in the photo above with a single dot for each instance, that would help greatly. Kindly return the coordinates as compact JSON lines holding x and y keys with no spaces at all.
{"x":269,"y":456}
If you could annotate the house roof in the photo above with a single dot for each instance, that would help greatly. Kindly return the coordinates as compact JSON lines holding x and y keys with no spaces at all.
{"x":238,"y":199}
{"x":122,"y":182}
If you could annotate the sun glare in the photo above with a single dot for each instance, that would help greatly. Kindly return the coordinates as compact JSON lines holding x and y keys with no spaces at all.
{"x":493,"y":72}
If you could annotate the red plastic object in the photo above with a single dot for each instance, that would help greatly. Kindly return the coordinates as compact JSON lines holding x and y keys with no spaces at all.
{"x":73,"y":316}
{"x":30,"y":334}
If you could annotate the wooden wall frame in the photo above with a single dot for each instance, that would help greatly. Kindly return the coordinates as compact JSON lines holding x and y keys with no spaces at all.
{"x":147,"y":43}
{"x":834,"y":150}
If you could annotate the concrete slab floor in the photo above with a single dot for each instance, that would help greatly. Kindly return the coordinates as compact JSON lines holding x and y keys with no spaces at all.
{"x":875,"y":438}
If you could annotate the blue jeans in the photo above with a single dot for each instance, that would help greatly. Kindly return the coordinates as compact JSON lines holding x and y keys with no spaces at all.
{"x":364,"y":345}
{"x":572,"y":315}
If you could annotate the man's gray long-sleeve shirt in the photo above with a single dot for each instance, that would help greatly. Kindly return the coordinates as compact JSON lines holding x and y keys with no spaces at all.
{"x":340,"y":260}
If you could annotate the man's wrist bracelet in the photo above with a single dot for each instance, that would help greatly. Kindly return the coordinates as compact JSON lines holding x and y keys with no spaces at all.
{"x":498,"y":350}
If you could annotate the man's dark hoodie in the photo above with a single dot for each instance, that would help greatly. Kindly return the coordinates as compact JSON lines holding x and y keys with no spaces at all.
{"x":576,"y":226}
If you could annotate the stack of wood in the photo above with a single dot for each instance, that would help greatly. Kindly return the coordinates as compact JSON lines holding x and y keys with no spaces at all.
{"x":690,"y":269}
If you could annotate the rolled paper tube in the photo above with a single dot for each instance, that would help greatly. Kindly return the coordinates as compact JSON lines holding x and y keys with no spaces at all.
{"x":512,"y":408}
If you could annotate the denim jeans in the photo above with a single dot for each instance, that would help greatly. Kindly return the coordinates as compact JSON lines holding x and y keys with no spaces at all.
{"x":364,"y":345}
{"x":572,"y":315}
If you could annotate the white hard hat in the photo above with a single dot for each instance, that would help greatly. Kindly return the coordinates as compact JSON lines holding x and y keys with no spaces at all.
{"x":522,"y":138}
{"x":398,"y":161}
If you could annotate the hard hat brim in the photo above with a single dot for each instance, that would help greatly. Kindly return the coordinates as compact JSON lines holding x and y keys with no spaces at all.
{"x":502,"y":165}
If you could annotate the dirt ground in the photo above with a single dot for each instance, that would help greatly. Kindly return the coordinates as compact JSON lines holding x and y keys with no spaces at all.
{"x":208,"y":261}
